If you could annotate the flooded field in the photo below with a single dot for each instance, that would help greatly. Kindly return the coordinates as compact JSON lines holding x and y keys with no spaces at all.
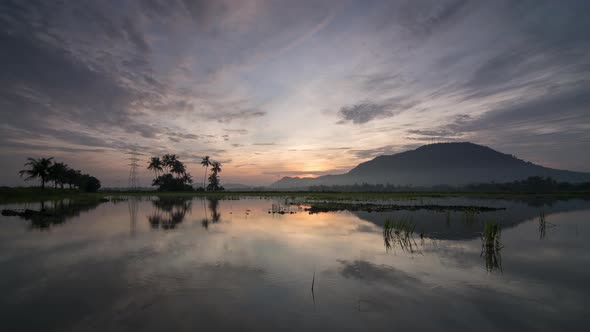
{"x":183,"y":264}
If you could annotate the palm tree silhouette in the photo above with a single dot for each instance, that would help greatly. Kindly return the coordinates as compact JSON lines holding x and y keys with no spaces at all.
{"x":216,"y":167}
{"x":58,"y":174}
{"x":214,"y":178}
{"x":168,"y":161}
{"x":155,"y":164}
{"x":39,"y":168}
{"x":178,"y":168}
{"x":206,"y":163}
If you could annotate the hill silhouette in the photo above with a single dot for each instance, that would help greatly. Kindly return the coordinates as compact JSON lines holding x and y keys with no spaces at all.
{"x":438,"y":164}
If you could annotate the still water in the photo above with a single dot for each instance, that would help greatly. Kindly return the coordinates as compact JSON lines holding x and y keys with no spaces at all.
{"x":149,"y":264}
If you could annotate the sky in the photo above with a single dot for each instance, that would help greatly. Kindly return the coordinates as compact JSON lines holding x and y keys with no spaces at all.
{"x":289,"y":88}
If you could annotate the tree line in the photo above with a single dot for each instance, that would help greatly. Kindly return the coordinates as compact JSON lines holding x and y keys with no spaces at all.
{"x":46,"y":170}
{"x":533,"y":184}
{"x":171,"y":175}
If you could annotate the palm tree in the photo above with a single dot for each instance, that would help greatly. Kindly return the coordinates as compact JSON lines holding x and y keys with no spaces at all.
{"x":39,"y":168}
{"x":58,"y":174}
{"x":178,"y":168}
{"x":155,"y":164}
{"x":168,"y":161}
{"x":206,"y":163}
{"x":213,"y":178}
{"x":216,"y":167}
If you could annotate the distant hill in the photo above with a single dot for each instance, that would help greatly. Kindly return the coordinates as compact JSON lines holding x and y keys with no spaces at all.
{"x":237,"y":187}
{"x":438,"y":164}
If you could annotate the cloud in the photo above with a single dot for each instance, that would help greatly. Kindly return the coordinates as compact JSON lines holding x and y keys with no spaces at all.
{"x":316,"y":173}
{"x":372,"y":273}
{"x":237,"y":131}
{"x":229,"y":116}
{"x":135,"y":36}
{"x":364,"y":112}
{"x":383,"y":150}
{"x":91,"y":75}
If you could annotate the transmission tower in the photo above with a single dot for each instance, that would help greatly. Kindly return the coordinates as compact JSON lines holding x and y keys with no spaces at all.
{"x":133,"y":159}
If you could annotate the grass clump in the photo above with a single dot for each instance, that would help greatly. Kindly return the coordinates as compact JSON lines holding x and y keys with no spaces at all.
{"x":491,"y":246}
{"x":399,"y":233}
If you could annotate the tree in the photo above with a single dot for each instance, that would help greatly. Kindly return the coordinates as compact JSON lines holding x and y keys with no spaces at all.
{"x":214,"y":183}
{"x":155,"y":164}
{"x":89,"y":183}
{"x":174,"y":177}
{"x":168,"y":161}
{"x":72,"y":177}
{"x":60,"y":173}
{"x":57,"y":174}
{"x":178,"y":168}
{"x":206,"y":162}
{"x":39,"y":168}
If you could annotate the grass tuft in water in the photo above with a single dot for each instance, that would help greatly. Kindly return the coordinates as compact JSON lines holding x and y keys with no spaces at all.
{"x":399,"y":232}
{"x":491,"y":246}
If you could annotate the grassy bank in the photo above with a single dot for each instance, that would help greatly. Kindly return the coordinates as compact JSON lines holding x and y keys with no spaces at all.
{"x":15,"y":195}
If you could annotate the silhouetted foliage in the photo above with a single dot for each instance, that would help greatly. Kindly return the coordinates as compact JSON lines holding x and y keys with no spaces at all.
{"x":39,"y":168}
{"x":175,"y":177}
{"x":214,"y":183}
{"x":206,"y":162}
{"x":89,"y":183}
{"x":60,"y":174}
{"x":155,"y":164}
{"x":533,"y":184}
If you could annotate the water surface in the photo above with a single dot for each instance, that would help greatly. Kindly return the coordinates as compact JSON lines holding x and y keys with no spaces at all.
{"x":181,"y":264}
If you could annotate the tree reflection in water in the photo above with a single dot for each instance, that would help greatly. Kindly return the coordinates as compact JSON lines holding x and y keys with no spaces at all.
{"x":169,"y":212}
{"x":54,"y":212}
{"x":215,"y":215}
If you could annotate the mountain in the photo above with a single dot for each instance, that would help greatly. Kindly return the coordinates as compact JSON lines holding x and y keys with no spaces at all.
{"x":438,"y":164}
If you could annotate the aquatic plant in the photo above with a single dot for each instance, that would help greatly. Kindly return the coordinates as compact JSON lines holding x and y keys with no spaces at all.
{"x":399,"y":232}
{"x":281,"y":209}
{"x":491,"y":246}
{"x":543,"y":225}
